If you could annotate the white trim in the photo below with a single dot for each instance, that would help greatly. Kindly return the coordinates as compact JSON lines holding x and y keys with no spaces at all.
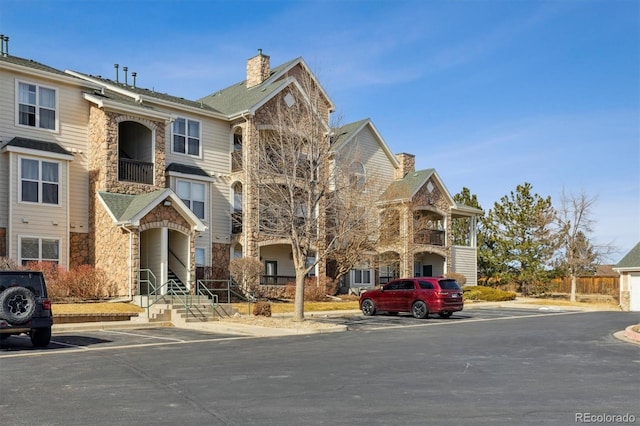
{"x":186,"y":136}
{"x":56,"y":128}
{"x":40,"y":182}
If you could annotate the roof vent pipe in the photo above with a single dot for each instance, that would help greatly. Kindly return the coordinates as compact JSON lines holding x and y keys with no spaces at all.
{"x":116,"y":66}
{"x":2,"y":44}
{"x":134,"y":74}
{"x":125,"y":69}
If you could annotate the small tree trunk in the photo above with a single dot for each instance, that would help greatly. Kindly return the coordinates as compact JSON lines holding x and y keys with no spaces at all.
{"x":573,"y":288}
{"x":298,"y":309}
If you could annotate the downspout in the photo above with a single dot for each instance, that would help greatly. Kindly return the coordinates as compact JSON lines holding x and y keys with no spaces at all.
{"x":124,"y":227}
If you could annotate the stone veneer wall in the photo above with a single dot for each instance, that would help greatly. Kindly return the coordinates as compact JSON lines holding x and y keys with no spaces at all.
{"x":79,"y":253}
{"x":3,"y":242}
{"x":220,"y":258}
{"x":112,"y":251}
{"x":436,"y":202}
{"x":109,"y":246}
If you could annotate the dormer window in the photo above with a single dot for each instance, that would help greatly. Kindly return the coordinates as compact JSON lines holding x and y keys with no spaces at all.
{"x":186,"y":137}
{"x":36,"y":106}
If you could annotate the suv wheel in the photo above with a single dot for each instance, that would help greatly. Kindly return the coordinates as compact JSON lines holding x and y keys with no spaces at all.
{"x":368,"y":308}
{"x":419,"y":309}
{"x":40,"y":337}
{"x":17,"y":305}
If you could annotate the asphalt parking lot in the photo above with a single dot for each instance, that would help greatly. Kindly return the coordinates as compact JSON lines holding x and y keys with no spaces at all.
{"x":123,"y":338}
{"x":484,"y":367}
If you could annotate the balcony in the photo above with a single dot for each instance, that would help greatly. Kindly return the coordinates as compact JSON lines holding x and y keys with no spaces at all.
{"x":135,"y":171}
{"x":276,"y":279}
{"x":236,"y":222}
{"x":432,"y":237}
{"x":236,"y":161}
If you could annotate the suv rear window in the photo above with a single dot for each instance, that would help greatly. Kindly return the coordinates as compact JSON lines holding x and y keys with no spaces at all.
{"x":29,"y":280}
{"x":449,"y":285}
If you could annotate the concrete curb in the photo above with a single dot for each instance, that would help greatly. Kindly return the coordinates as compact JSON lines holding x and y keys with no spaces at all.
{"x":633,"y":333}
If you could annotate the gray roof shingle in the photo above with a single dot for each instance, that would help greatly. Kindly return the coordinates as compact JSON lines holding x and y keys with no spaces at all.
{"x":631,"y":259}
{"x":186,"y":169}
{"x":37,"y":145}
{"x":405,"y":188}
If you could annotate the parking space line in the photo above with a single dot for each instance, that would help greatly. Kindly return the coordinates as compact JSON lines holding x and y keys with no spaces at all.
{"x":172,"y":339}
{"x":86,"y":349}
{"x":449,"y":322}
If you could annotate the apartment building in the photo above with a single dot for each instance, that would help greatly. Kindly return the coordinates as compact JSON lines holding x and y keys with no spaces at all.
{"x":99,"y":171}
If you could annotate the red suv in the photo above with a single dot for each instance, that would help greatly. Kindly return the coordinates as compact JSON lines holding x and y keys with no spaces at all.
{"x":421,"y":296}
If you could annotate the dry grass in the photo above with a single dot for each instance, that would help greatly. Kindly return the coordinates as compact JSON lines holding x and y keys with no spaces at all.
{"x":288,"y":307}
{"x":95,"y":308}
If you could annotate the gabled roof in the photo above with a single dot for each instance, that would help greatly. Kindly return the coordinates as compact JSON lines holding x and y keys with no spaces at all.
{"x":631,"y":260}
{"x":126,"y":209}
{"x":345,"y":134}
{"x":238,"y":99}
{"x":406,"y":188}
{"x":52,"y":149}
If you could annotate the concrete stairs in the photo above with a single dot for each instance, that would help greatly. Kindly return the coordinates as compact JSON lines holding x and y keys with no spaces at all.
{"x":199,"y":310}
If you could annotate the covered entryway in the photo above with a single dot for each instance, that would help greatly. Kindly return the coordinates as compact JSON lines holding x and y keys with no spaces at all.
{"x":166,"y":254}
{"x":426,"y":264}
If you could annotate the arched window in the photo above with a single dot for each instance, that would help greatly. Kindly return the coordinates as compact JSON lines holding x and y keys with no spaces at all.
{"x":356,"y":174}
{"x":237,"y":197}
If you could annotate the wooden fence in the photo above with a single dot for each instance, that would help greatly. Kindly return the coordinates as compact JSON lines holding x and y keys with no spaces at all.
{"x":588,"y":285}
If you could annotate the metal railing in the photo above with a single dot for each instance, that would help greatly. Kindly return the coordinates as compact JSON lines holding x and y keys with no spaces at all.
{"x":135,"y":171}
{"x":147,"y":286}
{"x":223,"y":290}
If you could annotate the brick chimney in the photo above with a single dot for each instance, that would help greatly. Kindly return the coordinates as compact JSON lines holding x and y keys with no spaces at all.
{"x":407,"y":164}
{"x":258,"y":69}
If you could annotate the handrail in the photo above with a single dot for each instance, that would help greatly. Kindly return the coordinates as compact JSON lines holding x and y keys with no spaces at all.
{"x":201,"y":285}
{"x":156,"y":293}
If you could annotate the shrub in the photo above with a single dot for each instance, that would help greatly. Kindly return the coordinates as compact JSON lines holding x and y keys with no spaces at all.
{"x":7,"y":264}
{"x":460,"y":278}
{"x":487,"y":294}
{"x":83,"y":282}
{"x":262,"y":308}
{"x":314,"y":291}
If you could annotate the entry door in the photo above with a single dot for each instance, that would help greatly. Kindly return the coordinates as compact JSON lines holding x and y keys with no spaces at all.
{"x":634,"y":292}
{"x":427,"y":270}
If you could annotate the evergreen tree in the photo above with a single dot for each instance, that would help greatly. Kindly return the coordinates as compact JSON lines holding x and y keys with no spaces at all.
{"x":518,"y":241}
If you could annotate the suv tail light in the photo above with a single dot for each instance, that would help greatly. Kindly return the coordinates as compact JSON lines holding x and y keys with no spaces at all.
{"x":442,"y":293}
{"x":46,"y":304}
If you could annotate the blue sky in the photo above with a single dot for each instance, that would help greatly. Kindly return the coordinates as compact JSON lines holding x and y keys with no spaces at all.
{"x":490,"y":93}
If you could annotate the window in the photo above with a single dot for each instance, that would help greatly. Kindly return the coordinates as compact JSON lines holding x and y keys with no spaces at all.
{"x":356,"y":174}
{"x":36,"y":106}
{"x":362,"y":276}
{"x":192,"y":194}
{"x":39,"y":181}
{"x":39,"y":250}
{"x":186,"y":137}
{"x":200,"y":257}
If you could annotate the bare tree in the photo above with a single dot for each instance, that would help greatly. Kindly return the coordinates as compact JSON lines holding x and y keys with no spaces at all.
{"x":575,"y":225}
{"x":246,"y":272}
{"x":303,"y":195}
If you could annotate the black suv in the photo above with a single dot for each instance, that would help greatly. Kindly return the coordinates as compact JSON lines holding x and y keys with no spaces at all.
{"x":24,"y":306}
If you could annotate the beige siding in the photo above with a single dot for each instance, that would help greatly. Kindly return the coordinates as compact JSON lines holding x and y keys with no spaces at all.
{"x":71,"y":134}
{"x":366,"y":149}
{"x":215,"y":142}
{"x":38,"y":220}
{"x":464,"y":261}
